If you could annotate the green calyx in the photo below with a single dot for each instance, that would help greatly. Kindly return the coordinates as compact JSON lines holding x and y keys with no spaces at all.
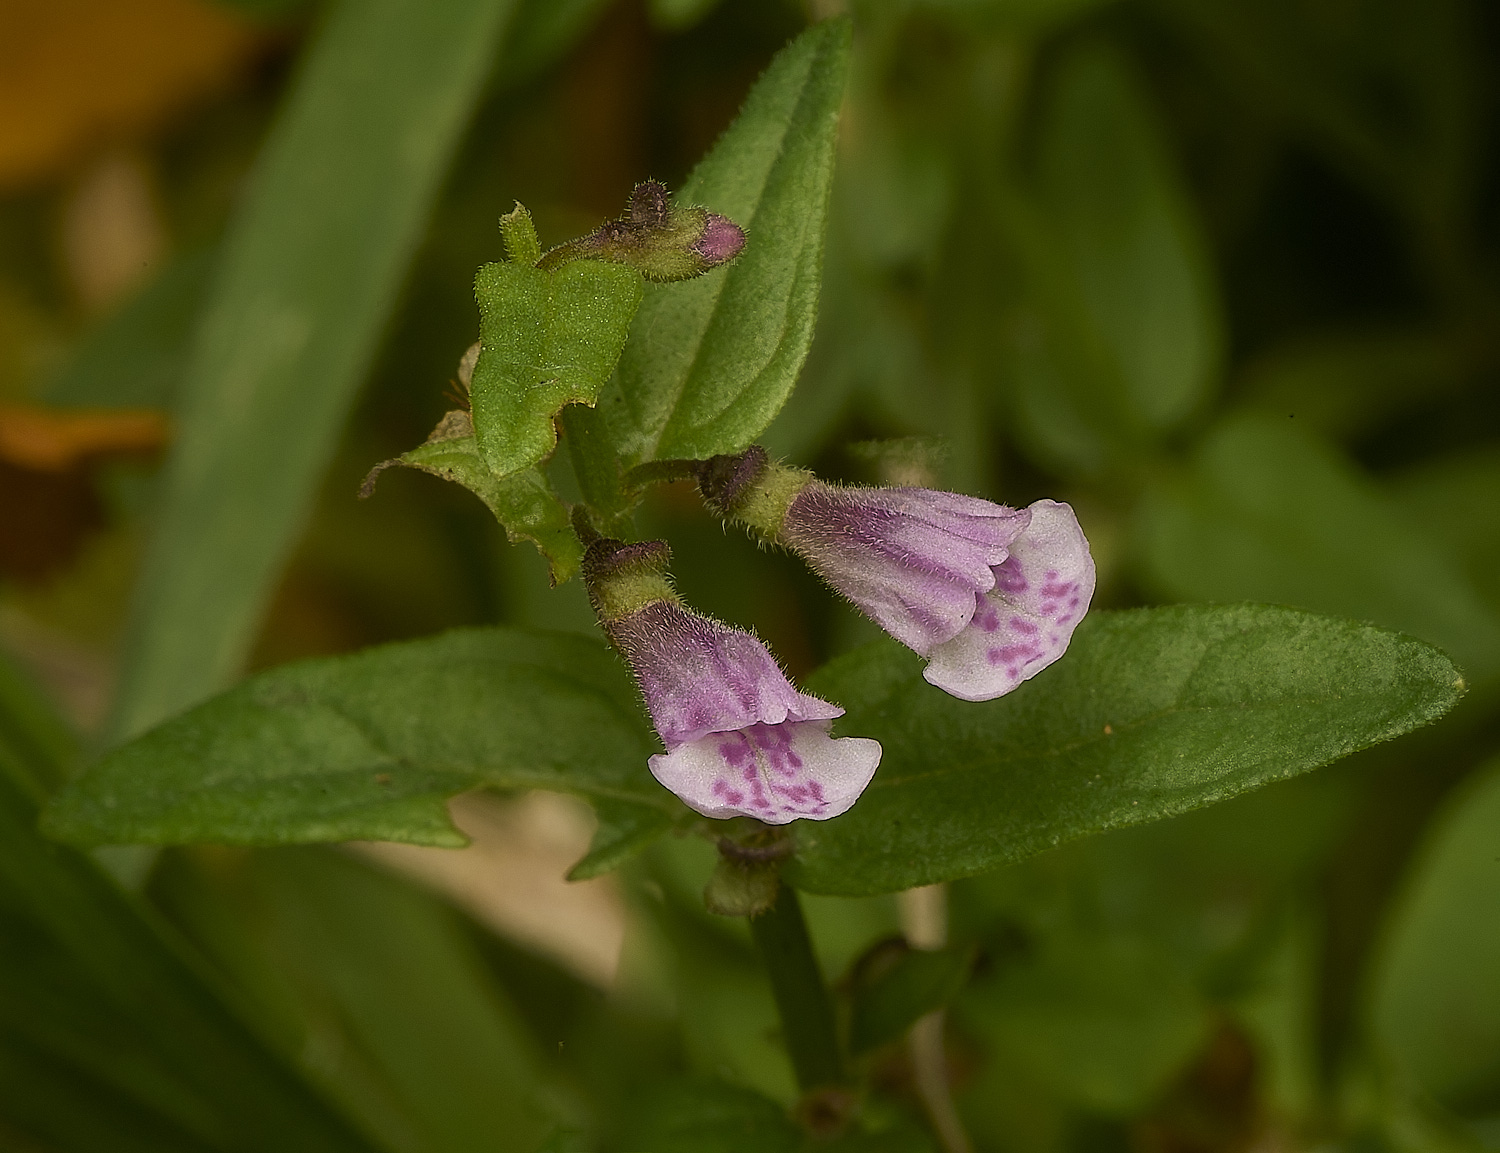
{"x":623,"y":578}
{"x":746,"y":880}
{"x":752,"y":489}
{"x":519,"y":235}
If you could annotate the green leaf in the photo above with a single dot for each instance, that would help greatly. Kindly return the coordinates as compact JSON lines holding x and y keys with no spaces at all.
{"x":523,"y":502}
{"x":1270,"y":513}
{"x":1094,"y":1018}
{"x":547,"y":339}
{"x":1315,"y":70}
{"x":1151,"y":713}
{"x":711,"y":361}
{"x":1347,"y":385}
{"x":36,"y":748}
{"x":1436,"y":1006}
{"x":308,"y":274}
{"x":712,"y":1117}
{"x":136,"y":358}
{"x":895,"y":986}
{"x":625,"y":829}
{"x":1456,"y":500}
{"x":679,"y":15}
{"x":1122,"y":335}
{"x":432,"y":1053}
{"x":369,"y":746}
{"x":1109,"y":962}
{"x":540,"y":32}
{"x":111,"y":1037}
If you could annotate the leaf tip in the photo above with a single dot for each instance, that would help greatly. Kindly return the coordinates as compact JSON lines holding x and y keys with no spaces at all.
{"x":367,"y":486}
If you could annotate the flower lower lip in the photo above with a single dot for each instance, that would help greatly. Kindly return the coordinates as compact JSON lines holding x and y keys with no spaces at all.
{"x":774,"y":773}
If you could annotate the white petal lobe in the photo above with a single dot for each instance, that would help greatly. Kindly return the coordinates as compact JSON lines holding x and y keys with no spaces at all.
{"x":775,"y":773}
{"x":1025,"y":622}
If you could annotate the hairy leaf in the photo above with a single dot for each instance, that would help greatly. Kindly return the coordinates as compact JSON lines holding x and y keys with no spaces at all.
{"x":546,"y":339}
{"x":369,"y":746}
{"x":710,"y":362}
{"x":1151,"y":713}
{"x":523,"y":502}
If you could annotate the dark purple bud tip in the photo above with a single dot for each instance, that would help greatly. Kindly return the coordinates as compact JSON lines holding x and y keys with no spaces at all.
{"x":624,"y":578}
{"x":650,"y":203}
{"x":606,"y":556}
{"x":721,"y":242}
{"x":724,"y":481}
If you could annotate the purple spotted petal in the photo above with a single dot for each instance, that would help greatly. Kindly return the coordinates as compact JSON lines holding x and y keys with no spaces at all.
{"x":1025,"y":622}
{"x":775,"y":773}
{"x":699,"y":676}
{"x":912,"y":559}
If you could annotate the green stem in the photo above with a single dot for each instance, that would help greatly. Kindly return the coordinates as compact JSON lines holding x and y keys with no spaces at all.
{"x":801,"y":997}
{"x":594,"y":462}
{"x":661,"y":472}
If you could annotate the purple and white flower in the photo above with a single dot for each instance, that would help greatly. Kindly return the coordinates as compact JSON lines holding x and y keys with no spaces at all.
{"x":989,"y":594}
{"x":1023,"y":623}
{"x":741,"y":740}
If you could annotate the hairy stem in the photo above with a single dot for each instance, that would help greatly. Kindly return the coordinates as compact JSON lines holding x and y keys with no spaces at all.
{"x":801,"y":997}
{"x":595,"y":464}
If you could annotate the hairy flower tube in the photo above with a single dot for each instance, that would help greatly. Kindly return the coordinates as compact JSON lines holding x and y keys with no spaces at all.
{"x":741,"y":740}
{"x":989,"y":595}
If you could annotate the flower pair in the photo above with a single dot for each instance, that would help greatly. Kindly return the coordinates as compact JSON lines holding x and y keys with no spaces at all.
{"x":989,"y":595}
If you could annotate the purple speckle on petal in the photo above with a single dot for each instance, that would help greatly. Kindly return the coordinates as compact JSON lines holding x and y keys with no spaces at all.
{"x":737,"y":753}
{"x":1010,"y":579}
{"x":793,"y":769}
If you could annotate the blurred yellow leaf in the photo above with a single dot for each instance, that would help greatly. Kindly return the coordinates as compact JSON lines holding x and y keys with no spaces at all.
{"x":73,"y":72}
{"x":54,"y":440}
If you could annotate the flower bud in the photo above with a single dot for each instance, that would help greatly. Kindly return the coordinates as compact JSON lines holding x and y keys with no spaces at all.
{"x":660,"y":240}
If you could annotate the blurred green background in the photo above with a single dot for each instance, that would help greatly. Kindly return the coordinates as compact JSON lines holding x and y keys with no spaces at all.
{"x":1225,"y":274}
